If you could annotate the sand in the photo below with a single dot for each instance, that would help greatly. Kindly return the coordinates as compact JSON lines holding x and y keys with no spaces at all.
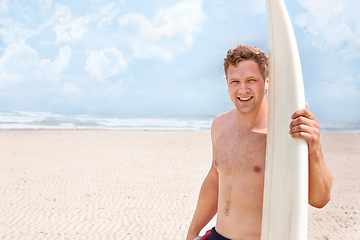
{"x":92,"y":184}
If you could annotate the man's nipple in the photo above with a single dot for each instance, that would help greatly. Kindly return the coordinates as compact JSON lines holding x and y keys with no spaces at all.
{"x":257,"y":169}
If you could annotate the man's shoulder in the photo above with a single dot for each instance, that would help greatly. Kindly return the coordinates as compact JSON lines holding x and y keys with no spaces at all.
{"x":221,"y":121}
{"x":226,"y":116}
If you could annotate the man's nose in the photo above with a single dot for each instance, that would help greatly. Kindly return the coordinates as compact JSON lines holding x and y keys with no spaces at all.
{"x":243,"y":88}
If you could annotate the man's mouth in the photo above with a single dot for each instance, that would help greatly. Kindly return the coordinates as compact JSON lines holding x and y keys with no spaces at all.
{"x":245,"y":99}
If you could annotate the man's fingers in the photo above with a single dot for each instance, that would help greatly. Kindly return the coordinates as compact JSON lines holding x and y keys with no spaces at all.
{"x":303,"y":121}
{"x":301,"y":128}
{"x":304,"y":125}
{"x":302,"y":135}
{"x":304,"y":113}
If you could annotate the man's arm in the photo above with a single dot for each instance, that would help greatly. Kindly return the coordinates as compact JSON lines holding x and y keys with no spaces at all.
{"x":207,"y":204}
{"x":305,"y":126}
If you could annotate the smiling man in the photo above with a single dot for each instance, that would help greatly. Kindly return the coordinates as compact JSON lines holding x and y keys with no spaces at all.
{"x":234,"y":185}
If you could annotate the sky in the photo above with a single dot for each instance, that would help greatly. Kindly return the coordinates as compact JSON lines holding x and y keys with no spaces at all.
{"x":165,"y":58}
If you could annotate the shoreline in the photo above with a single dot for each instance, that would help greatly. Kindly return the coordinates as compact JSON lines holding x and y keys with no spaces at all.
{"x":322,"y":131}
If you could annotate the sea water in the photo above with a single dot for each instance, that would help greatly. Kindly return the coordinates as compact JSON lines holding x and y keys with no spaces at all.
{"x":13,"y":120}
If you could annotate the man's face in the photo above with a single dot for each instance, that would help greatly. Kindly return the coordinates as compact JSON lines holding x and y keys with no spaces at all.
{"x":246,"y":86}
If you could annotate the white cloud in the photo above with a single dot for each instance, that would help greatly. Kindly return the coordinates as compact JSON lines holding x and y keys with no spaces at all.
{"x":105,"y":63}
{"x":341,"y":96}
{"x":170,"y":31}
{"x":107,"y":14}
{"x":16,"y":57}
{"x":344,"y":87}
{"x":62,"y":60}
{"x":147,"y":50}
{"x":230,"y":7}
{"x":332,"y":24}
{"x":67,"y":27}
{"x":4,"y":4}
{"x":19,"y":58}
{"x":352,"y":50}
{"x":21,"y":63}
{"x":12,"y":31}
{"x":19,"y":23}
{"x":45,"y":4}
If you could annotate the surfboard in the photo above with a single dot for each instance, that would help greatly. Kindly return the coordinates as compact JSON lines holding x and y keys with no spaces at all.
{"x":285,"y":197}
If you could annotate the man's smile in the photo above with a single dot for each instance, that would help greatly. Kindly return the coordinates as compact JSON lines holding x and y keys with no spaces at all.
{"x":245,"y":99}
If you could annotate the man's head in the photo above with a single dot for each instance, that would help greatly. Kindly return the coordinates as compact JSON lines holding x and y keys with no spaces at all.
{"x":243,"y":52}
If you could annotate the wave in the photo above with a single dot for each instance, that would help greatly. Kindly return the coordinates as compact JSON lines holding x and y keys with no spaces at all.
{"x":46,"y":120}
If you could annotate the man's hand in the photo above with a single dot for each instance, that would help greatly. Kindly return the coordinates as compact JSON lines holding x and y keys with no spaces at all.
{"x":304,"y":125}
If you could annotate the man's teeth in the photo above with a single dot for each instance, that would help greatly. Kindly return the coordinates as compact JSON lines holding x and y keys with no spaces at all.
{"x":245,"y":99}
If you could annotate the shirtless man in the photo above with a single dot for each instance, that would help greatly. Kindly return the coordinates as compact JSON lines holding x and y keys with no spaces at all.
{"x":234,"y":185}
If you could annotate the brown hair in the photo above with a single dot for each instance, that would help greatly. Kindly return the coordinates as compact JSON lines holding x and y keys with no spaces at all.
{"x":242,"y":53}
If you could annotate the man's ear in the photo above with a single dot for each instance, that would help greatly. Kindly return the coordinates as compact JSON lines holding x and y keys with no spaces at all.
{"x":267,"y":83}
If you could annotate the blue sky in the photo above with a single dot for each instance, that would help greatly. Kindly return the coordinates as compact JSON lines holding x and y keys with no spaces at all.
{"x":165,"y":57}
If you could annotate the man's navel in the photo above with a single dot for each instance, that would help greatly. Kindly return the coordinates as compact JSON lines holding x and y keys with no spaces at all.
{"x":227,"y":209}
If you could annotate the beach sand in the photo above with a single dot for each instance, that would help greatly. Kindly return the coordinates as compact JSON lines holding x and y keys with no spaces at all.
{"x":92,"y":184}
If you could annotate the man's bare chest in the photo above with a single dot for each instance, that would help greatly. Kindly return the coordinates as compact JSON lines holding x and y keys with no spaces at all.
{"x":240,"y":153}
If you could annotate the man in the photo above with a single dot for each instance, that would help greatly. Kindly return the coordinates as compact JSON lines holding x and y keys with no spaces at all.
{"x":234,"y":185}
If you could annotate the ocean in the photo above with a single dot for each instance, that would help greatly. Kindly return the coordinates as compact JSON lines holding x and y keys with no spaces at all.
{"x":17,"y":120}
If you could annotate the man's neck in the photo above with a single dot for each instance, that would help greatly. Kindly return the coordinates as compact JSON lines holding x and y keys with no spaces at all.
{"x":255,"y":121}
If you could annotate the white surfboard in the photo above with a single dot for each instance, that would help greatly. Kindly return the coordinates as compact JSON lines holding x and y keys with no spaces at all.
{"x":285,"y":206}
